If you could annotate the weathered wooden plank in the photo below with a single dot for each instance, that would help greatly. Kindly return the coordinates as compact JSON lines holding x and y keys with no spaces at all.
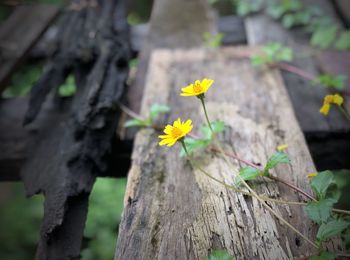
{"x":19,"y":33}
{"x":173,"y":211}
{"x":306,"y":99}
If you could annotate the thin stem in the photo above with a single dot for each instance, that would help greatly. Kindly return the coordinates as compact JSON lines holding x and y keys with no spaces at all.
{"x":206,"y":114}
{"x":129,"y":112}
{"x":249,"y":188}
{"x":234,"y":156}
{"x":343,"y":111}
{"x":294,"y":70}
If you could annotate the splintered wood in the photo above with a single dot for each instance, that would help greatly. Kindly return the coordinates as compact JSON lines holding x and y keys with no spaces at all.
{"x":173,"y":211}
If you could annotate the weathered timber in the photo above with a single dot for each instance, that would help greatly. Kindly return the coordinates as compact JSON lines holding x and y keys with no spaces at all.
{"x":173,"y":211}
{"x":74,"y":148}
{"x":305,"y":97}
{"x":19,"y":33}
{"x":178,"y":28}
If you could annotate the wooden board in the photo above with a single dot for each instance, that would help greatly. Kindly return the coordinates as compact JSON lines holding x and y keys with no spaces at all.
{"x":305,"y":97}
{"x":175,"y":212}
{"x":19,"y":33}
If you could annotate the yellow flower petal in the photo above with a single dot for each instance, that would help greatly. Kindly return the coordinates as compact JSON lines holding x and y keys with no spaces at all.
{"x":282,"y":147}
{"x":325,"y":109}
{"x":197,"y":88}
{"x":312,"y":174}
{"x":338,"y":99}
{"x":175,"y":132}
{"x":328,"y":99}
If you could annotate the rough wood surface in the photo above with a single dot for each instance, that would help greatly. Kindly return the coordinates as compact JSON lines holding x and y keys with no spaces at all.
{"x":19,"y":33}
{"x":305,"y":97}
{"x":173,"y":211}
{"x":72,"y":149}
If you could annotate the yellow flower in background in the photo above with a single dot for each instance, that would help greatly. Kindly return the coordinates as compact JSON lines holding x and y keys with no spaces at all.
{"x":198,"y":88}
{"x":338,"y":99}
{"x":328,"y":100}
{"x":325,"y":109}
{"x":312,"y":174}
{"x":282,"y":147}
{"x":175,"y":132}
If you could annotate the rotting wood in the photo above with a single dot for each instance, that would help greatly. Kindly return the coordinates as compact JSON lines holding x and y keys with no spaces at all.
{"x":175,"y":212}
{"x":73,"y":148}
{"x":19,"y":33}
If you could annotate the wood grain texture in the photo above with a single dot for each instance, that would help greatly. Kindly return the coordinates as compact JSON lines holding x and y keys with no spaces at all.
{"x":305,"y":97}
{"x":173,"y":211}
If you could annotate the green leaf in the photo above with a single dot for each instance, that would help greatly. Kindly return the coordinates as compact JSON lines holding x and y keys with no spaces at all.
{"x":245,"y":7}
{"x":68,"y":89}
{"x":218,"y":126}
{"x":321,"y":182}
{"x":219,"y":255}
{"x":323,"y":37}
{"x":136,"y":122}
{"x":133,"y":63}
{"x":156,"y":109}
{"x":194,"y":144}
{"x":320,"y":211}
{"x":331,"y":229}
{"x":323,"y":256}
{"x":247,"y":173}
{"x":343,"y":43}
{"x":275,"y":159}
{"x":257,"y":60}
{"x":331,"y":81}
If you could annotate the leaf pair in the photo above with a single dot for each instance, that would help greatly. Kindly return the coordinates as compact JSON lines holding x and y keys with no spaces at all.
{"x":273,"y":53}
{"x":249,"y":173}
{"x":193,"y":144}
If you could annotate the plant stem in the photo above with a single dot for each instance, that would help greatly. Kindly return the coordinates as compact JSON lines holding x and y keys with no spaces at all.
{"x":343,"y":111}
{"x":234,"y":156}
{"x":129,"y":112}
{"x":254,"y":194}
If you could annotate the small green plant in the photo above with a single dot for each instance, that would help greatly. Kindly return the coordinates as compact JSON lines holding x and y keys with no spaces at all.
{"x":194,"y":144}
{"x":133,"y":19}
{"x":219,"y":255}
{"x":277,"y":10}
{"x":22,"y":81}
{"x":155,"y":111}
{"x":68,"y":88}
{"x":250,"y":173}
{"x":330,"y":81}
{"x":133,"y":63}
{"x":273,"y":53}
{"x":343,"y":43}
{"x":246,"y":7}
{"x":213,"y":41}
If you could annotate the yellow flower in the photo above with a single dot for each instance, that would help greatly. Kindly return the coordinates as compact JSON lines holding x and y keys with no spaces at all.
{"x":282,"y":147}
{"x":325,"y":109}
{"x":338,"y":99}
{"x":328,"y":100}
{"x":175,"y":132}
{"x":198,"y":88}
{"x":312,"y":174}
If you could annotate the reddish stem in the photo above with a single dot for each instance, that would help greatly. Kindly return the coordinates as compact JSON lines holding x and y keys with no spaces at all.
{"x":234,"y":156}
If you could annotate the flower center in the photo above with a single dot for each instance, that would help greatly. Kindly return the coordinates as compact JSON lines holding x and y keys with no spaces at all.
{"x":197,"y":88}
{"x":176,"y":133}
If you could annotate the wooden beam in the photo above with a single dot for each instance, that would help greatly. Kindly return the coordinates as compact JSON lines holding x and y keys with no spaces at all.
{"x":173,"y":211}
{"x":19,"y":33}
{"x":305,"y":97}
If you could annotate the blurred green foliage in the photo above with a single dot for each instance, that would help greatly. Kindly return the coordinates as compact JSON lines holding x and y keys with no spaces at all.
{"x":22,"y":81}
{"x":105,"y":210}
{"x":19,"y":224}
{"x":20,"y":221}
